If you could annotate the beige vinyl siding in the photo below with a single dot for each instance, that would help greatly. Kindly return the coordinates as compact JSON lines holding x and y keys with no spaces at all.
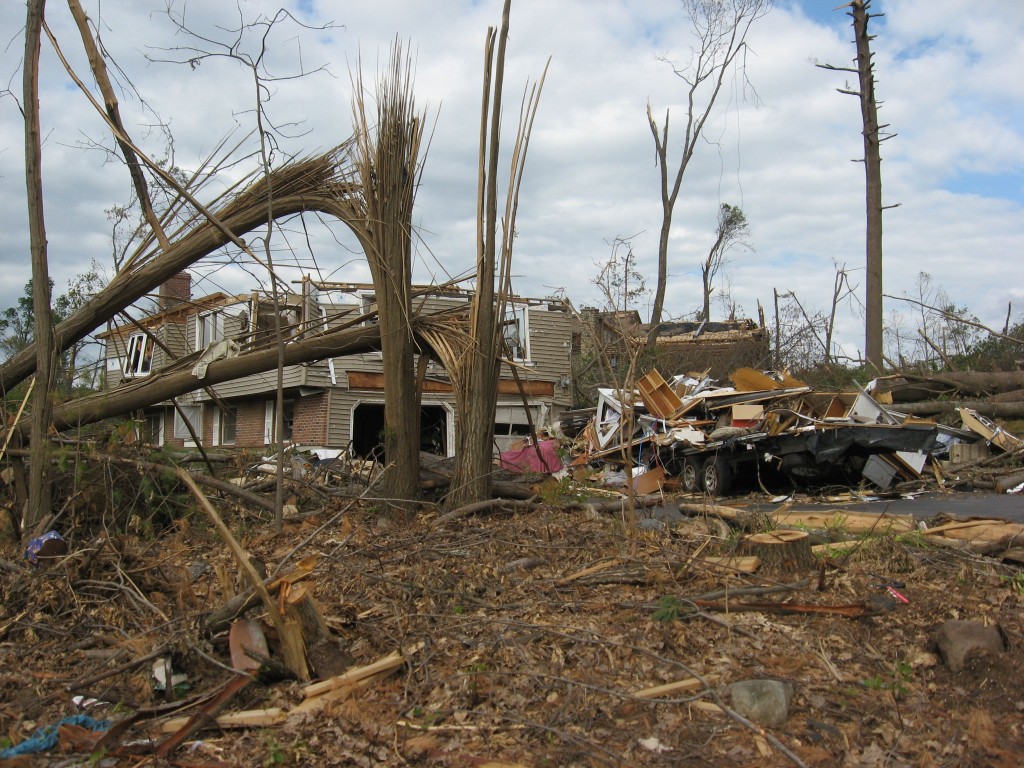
{"x":174,"y":336}
{"x":260,"y":383}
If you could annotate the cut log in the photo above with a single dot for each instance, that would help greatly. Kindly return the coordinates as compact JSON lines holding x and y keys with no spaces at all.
{"x":780,"y":551}
{"x":984,"y":407}
{"x":848,"y":522}
{"x":744,"y":519}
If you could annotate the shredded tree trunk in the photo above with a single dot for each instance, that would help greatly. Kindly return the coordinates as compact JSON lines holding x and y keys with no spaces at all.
{"x":387,"y":160}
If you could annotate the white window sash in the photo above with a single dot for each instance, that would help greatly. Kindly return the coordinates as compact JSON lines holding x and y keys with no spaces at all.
{"x":268,"y":423}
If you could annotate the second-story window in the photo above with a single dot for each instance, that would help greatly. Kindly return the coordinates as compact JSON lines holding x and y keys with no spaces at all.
{"x":209,"y":328}
{"x":139,"y":358}
{"x":516,"y":330}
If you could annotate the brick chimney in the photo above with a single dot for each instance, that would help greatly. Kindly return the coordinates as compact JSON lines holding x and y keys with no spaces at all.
{"x":175,"y":290}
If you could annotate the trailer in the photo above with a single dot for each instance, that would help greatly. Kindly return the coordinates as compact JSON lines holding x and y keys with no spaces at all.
{"x":814,"y":457}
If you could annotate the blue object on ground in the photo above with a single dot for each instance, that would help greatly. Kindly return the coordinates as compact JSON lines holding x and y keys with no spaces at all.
{"x":46,"y":737}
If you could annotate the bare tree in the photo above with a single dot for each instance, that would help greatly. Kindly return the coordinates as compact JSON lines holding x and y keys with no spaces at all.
{"x":721,"y":28}
{"x":873,"y":138}
{"x":731,"y":232}
{"x":804,"y":336}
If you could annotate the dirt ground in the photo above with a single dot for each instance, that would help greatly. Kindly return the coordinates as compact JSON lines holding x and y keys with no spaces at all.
{"x":528,"y":634}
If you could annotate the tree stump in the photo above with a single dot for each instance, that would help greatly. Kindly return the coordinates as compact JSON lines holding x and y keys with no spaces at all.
{"x":780,"y":551}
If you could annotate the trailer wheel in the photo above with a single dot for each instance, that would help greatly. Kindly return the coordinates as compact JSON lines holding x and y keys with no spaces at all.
{"x":717,"y":476}
{"x":691,"y":476}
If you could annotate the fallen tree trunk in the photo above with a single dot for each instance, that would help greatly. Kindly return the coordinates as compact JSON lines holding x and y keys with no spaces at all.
{"x":163,"y":386}
{"x":310,"y":185}
{"x":968,"y":383}
{"x":160,"y":387}
{"x":984,"y":407}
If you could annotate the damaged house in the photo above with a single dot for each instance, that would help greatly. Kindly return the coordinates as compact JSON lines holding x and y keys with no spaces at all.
{"x":333,"y":404}
{"x":718,"y":347}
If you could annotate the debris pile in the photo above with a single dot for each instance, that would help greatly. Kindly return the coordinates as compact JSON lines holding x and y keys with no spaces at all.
{"x":769,"y":426}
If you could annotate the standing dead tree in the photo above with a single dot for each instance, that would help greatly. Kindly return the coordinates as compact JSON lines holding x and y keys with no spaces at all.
{"x":721,"y":29}
{"x":873,"y":138}
{"x":39,"y":470}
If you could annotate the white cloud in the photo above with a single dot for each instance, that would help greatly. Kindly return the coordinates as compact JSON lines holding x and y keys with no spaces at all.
{"x":944,"y":77}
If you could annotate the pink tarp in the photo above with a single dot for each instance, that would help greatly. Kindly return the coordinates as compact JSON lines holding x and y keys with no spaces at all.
{"x":525,"y":460}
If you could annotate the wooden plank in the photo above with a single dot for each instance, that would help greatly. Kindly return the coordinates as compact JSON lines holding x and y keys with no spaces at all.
{"x":679,"y":686}
{"x":385,"y":663}
{"x":734,"y":564}
{"x":251,"y":718}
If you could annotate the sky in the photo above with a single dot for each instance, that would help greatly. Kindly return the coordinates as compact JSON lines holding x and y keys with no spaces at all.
{"x":782,"y":143}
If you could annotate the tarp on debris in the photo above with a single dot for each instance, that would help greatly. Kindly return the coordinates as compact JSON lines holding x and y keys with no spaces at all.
{"x":542,"y":457}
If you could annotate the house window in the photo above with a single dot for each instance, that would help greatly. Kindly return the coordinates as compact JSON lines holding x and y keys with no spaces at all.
{"x":152,"y":429}
{"x":368,"y":304}
{"x":516,"y":330}
{"x":194,"y":414}
{"x":139,"y":359}
{"x":209,"y":328}
{"x":270,"y":420}
{"x":225,"y":425}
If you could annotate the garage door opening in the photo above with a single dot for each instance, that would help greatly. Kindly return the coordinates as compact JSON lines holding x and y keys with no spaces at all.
{"x":368,"y":430}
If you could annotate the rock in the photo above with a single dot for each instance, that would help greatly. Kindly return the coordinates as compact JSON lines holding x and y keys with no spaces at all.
{"x":651,"y":524}
{"x":956,"y":640}
{"x":197,"y":569}
{"x":763,"y":701}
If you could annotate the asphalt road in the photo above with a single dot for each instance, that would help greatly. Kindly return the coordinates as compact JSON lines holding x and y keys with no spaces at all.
{"x":1001,"y":506}
{"x":922,"y":507}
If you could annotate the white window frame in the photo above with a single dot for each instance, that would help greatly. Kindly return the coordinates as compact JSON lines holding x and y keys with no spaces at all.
{"x":194,"y":414}
{"x":156,"y":419}
{"x":210,"y":323}
{"x":138,"y":357}
{"x":517,"y":315}
{"x":269,"y":438}
{"x":218,"y":426}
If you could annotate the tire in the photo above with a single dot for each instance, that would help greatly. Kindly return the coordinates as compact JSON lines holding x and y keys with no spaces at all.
{"x":690,"y":476}
{"x":717,"y":476}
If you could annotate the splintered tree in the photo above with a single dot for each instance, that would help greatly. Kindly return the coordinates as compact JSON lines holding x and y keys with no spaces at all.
{"x":873,"y":138}
{"x":386,"y":157}
{"x":721,"y":28}
{"x":475,"y":372}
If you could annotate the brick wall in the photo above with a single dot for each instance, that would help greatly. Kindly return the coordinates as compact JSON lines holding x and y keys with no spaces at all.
{"x":310,"y":424}
{"x":175,"y":290}
{"x":249,"y":428}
